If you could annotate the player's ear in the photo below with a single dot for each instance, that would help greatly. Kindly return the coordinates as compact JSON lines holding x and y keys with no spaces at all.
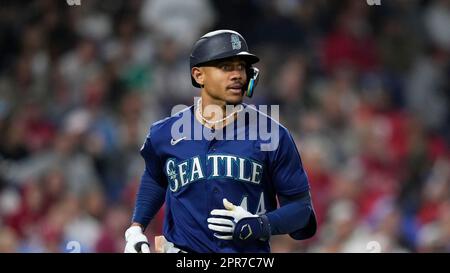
{"x":198,"y":75}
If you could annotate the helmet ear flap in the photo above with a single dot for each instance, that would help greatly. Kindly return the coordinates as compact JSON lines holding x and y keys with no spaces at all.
{"x":253,"y":76}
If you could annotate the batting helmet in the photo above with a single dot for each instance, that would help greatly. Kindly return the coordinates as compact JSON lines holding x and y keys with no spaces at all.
{"x":222,"y":44}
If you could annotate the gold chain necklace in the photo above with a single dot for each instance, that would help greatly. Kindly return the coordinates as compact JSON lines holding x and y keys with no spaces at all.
{"x":217,"y":121}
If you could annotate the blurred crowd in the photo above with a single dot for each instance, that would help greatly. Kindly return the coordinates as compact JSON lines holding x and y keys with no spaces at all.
{"x":364,"y":90}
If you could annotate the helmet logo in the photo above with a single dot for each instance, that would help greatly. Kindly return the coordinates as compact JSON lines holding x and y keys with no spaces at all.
{"x":235,"y":42}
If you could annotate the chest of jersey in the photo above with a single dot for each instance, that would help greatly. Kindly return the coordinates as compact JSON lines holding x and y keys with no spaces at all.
{"x":202,"y":161}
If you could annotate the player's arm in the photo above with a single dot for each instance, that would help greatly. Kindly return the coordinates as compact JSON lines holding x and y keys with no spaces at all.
{"x":149,"y":199}
{"x":295,"y":216}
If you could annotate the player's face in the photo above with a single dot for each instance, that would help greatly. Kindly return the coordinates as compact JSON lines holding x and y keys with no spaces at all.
{"x":225,"y":80}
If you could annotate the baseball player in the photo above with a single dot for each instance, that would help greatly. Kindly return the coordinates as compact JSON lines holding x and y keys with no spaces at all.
{"x":221,"y":195}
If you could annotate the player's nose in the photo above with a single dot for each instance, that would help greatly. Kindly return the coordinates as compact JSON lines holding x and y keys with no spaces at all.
{"x":236,"y":75}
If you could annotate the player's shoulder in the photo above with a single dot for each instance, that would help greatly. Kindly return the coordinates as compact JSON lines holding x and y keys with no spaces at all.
{"x":272,"y":121}
{"x":168,"y":121}
{"x":163,"y":127}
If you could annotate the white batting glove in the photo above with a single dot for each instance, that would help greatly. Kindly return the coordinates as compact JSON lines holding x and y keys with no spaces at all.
{"x":224,"y":225}
{"x":136,"y":241}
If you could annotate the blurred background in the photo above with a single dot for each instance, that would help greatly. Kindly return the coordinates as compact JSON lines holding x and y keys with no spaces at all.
{"x":364,"y":90}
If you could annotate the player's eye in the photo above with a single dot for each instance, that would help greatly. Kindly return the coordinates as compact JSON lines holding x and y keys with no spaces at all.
{"x":226,"y":67}
{"x":231,"y":67}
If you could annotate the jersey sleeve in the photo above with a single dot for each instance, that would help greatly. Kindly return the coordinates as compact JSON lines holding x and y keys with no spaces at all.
{"x":153,"y":164}
{"x":151,"y":192}
{"x":287,"y":173}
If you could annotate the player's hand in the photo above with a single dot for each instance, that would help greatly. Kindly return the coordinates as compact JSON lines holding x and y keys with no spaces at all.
{"x":244,"y":226}
{"x":136,"y":241}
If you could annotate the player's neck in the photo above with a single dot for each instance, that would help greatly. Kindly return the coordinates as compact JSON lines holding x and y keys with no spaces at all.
{"x":212,"y":117}
{"x":207,"y":101}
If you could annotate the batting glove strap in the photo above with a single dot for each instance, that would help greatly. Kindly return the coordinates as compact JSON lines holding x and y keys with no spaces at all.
{"x":136,"y":240}
{"x":252,"y":229}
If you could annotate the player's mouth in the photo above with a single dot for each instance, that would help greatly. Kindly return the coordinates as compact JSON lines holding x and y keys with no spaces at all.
{"x":235,"y":88}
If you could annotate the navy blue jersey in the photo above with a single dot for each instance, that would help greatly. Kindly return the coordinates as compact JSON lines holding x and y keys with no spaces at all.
{"x":197,"y":174}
